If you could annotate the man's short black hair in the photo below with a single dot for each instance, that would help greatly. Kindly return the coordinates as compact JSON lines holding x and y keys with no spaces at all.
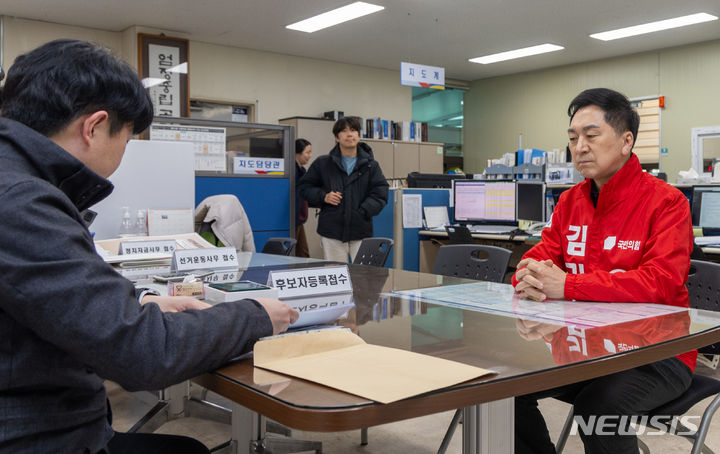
{"x":51,"y":86}
{"x":300,"y":145}
{"x":346,"y":122}
{"x":619,"y":113}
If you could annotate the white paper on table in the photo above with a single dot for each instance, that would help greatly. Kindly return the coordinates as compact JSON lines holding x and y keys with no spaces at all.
{"x":501,"y":299}
{"x":412,"y":211}
{"x":170,"y":222}
{"x":707,"y":240}
{"x":436,"y":216}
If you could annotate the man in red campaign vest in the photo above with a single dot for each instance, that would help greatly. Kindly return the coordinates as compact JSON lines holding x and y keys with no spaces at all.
{"x":622,"y":235}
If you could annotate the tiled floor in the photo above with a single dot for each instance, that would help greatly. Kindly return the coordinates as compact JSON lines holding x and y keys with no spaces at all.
{"x":419,"y":435}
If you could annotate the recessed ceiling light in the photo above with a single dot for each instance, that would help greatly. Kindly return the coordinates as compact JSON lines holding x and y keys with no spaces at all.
{"x":654,"y":26}
{"x":334,"y":17}
{"x":518,"y":53}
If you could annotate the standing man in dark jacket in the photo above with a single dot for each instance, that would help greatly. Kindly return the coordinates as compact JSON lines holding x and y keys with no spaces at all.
{"x":68,"y":320}
{"x":349,"y":188}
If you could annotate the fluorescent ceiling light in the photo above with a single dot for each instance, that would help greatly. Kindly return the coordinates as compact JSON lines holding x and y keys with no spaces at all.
{"x":334,"y":17}
{"x":654,"y":26}
{"x":518,"y":53}
{"x":459,"y":117}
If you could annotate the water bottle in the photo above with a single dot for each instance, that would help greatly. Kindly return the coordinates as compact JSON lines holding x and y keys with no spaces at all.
{"x":141,"y":224}
{"x":126,"y":225}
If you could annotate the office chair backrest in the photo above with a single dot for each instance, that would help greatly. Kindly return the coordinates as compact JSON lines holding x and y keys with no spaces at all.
{"x":465,"y":260}
{"x":704,"y":288}
{"x":458,"y":234}
{"x":279,"y":246}
{"x":373,"y":251}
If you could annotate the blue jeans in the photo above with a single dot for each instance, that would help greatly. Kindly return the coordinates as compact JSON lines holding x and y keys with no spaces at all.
{"x":627,"y":393}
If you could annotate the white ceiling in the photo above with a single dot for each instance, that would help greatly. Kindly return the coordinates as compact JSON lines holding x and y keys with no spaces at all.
{"x":431,"y":32}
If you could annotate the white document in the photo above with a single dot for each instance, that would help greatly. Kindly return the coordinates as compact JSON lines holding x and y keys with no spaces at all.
{"x":436,"y":217}
{"x":501,"y":299}
{"x":319,"y":310}
{"x":170,"y":222}
{"x":209,"y":144}
{"x":707,"y":240}
{"x":412,"y":211}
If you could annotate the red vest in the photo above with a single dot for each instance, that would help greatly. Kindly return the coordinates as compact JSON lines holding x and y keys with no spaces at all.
{"x":633,"y":247}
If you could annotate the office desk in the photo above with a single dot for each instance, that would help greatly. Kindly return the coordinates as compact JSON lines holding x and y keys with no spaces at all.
{"x":431,"y":240}
{"x":171,"y":402}
{"x":485,"y":340}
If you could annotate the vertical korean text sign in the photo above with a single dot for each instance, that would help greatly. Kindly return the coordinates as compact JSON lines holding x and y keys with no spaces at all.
{"x":163,"y":64}
{"x":416,"y":75}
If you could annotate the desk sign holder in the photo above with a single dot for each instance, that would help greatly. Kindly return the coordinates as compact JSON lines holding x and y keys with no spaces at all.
{"x":203,"y":259}
{"x":311,"y":281}
{"x":147,"y":247}
{"x":222,"y":276}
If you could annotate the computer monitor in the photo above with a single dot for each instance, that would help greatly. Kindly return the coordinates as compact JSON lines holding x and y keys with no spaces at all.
{"x":266,"y":147}
{"x":530,"y":196}
{"x":706,"y":207}
{"x":432,"y":180}
{"x":484,"y":201}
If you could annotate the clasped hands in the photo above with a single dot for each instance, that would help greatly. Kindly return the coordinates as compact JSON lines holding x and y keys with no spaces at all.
{"x":540,"y":280}
{"x":531,"y":330}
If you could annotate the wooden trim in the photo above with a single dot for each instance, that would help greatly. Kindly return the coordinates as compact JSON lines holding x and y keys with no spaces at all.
{"x":183,"y":45}
{"x":470,"y":393}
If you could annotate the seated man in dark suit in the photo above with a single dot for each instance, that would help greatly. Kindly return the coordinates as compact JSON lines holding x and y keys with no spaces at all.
{"x":67,"y":319}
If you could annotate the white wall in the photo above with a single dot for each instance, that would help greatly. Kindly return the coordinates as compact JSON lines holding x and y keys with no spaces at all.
{"x":283,"y":85}
{"x":293,"y":86}
{"x":535,"y":103}
{"x":22,"y":35}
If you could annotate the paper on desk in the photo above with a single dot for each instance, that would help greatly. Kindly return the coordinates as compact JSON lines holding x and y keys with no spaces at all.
{"x":341,"y":360}
{"x":108,"y":249}
{"x":170,"y":222}
{"x":436,"y":217}
{"x":707,"y":240}
{"x":412,"y":211}
{"x":501,"y":299}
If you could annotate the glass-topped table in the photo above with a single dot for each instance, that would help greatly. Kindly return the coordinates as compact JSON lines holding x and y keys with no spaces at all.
{"x":529,"y":352}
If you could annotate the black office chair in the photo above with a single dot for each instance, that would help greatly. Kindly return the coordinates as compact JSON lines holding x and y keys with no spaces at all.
{"x":373,"y":251}
{"x":704,"y":287}
{"x":458,"y":234}
{"x":463,"y":260}
{"x":279,"y":246}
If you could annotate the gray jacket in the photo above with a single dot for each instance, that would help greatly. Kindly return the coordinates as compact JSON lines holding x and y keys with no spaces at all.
{"x":68,"y":320}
